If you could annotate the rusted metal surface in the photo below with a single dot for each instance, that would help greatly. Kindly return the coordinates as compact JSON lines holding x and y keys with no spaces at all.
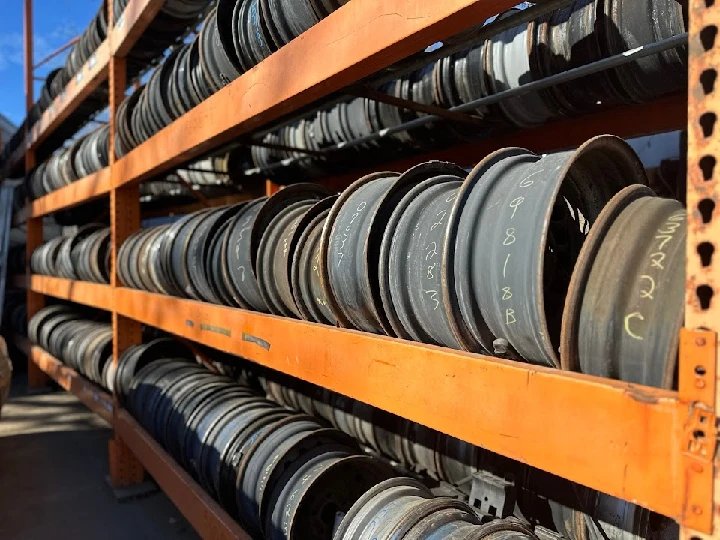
{"x":273,"y":146}
{"x":349,"y":262}
{"x":141,"y":243}
{"x":205,"y":515}
{"x":514,"y":234}
{"x":237,"y":258}
{"x":305,"y":275}
{"x":567,"y":39}
{"x":507,"y":60}
{"x":698,"y":444}
{"x":662,"y":115}
{"x":606,"y":415}
{"x":274,"y":228}
{"x":703,"y":283}
{"x":214,"y":255}
{"x":344,"y":47}
{"x":629,"y":274}
{"x":274,"y":259}
{"x":85,"y":156}
{"x":286,"y":467}
{"x":125,"y":469}
{"x":702,"y":308}
{"x":412,"y":247}
{"x":404,"y":506}
{"x":137,"y":16}
{"x":74,"y":93}
{"x":492,"y":76}
{"x":298,"y":454}
{"x":136,"y":357}
{"x":629,"y":25}
{"x":639,"y":414}
{"x":82,"y":256}
{"x":82,"y":344}
{"x":216,"y":48}
{"x":666,"y":114}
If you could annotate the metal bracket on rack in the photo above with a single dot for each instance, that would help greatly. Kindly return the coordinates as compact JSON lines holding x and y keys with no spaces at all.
{"x":699,"y":438}
{"x":492,"y":495}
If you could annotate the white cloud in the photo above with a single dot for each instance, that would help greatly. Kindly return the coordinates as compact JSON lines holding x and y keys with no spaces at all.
{"x":64,"y":32}
{"x":11,"y":49}
{"x":11,"y":46}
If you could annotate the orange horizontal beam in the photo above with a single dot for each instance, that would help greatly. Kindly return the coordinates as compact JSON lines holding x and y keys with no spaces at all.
{"x":204,"y":514}
{"x":136,"y":17}
{"x":90,"y":187}
{"x":82,"y":292}
{"x":353,"y":42}
{"x":97,"y":400}
{"x":662,"y":115}
{"x":80,"y":87}
{"x":618,"y":438}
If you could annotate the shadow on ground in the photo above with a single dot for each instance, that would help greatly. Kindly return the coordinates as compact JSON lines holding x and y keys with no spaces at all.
{"x":53,"y":468}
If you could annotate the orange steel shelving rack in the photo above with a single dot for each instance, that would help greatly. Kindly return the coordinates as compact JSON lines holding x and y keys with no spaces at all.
{"x":653,"y":447}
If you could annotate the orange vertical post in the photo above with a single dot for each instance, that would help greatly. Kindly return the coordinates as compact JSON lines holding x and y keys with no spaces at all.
{"x":35,"y":301}
{"x":124,"y":214}
{"x":699,"y":359}
{"x":37,"y":378}
{"x":125,"y":468}
{"x":271,"y":188}
{"x":28,"y":50}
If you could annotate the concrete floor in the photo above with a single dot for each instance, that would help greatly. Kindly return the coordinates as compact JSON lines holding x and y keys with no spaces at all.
{"x":53,"y":468}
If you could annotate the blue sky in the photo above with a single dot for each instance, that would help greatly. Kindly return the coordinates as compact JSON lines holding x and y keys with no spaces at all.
{"x":55,"y":23}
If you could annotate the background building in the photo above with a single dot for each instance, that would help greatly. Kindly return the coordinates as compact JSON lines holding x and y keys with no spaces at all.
{"x":7,"y":128}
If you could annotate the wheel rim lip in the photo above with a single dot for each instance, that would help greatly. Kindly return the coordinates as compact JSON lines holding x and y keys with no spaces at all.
{"x":426,"y":175}
{"x":376,"y":492}
{"x":319,"y":212}
{"x":267,"y":255}
{"x":569,"y":360}
{"x":245,"y":297}
{"x":325,"y":240}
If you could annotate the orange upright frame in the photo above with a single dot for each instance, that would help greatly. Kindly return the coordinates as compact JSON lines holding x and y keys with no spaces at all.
{"x":654,"y":447}
{"x":700,"y":358}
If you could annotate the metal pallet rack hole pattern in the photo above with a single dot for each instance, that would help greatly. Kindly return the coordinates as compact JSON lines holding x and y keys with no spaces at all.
{"x":653,"y":447}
